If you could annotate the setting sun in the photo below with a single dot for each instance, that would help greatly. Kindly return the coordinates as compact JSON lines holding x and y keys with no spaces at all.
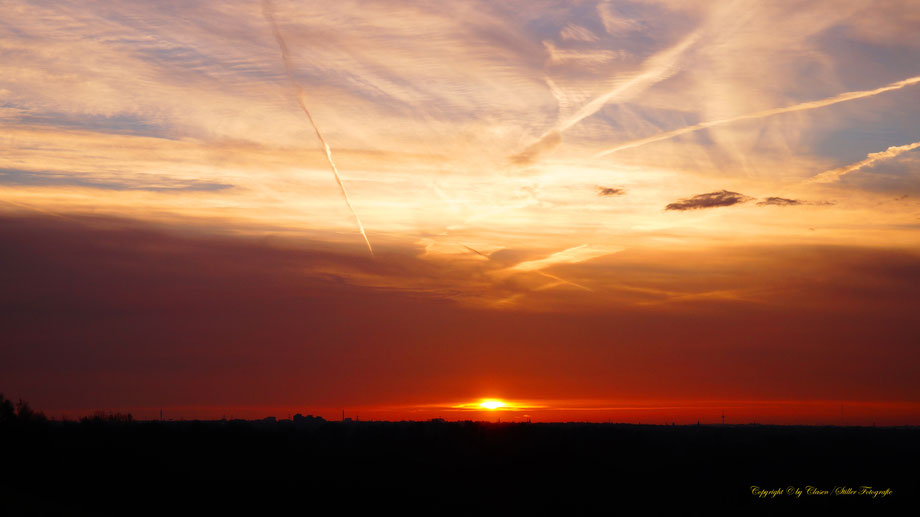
{"x":497,"y":404}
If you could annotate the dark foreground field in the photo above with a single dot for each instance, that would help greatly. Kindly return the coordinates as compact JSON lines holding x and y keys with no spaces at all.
{"x":130,"y":468}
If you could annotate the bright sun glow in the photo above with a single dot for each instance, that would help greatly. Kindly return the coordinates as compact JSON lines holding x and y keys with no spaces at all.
{"x":495,"y":404}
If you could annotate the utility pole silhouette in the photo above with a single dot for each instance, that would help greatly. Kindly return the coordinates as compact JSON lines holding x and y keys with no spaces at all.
{"x":723,"y":417}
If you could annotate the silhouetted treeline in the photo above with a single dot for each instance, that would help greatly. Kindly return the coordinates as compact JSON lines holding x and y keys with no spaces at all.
{"x":101,"y":417}
{"x":21,"y":413}
{"x":118,"y":465}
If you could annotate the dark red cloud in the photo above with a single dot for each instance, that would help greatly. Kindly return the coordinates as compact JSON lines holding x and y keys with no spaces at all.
{"x":102,"y":313}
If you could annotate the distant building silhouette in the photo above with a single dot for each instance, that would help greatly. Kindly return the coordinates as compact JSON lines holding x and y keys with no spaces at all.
{"x":300,"y":420}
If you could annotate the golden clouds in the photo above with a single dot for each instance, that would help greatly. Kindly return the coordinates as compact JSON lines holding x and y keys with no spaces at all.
{"x":184,"y":117}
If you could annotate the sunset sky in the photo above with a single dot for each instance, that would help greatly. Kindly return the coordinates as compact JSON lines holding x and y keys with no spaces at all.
{"x":635,"y":211}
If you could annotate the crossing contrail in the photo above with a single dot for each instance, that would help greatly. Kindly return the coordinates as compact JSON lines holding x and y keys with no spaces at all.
{"x":269,"y":14}
{"x":835,"y":174}
{"x":560,"y":281}
{"x":847,"y":96}
{"x":654,"y":70}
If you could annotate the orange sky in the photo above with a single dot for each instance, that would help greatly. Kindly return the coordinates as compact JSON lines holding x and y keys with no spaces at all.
{"x":673,"y":206}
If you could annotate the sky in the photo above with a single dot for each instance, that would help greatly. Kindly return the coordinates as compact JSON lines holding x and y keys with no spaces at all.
{"x":635,"y":211}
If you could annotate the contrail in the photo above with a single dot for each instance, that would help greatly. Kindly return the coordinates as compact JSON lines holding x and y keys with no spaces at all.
{"x":835,"y":174}
{"x":564,"y":256}
{"x":475,"y":251}
{"x":562,"y":281}
{"x":269,"y":14}
{"x":654,"y":70}
{"x":848,"y":96}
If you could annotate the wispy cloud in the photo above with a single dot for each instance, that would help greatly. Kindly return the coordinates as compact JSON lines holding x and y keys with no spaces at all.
{"x":614,"y":23}
{"x":149,"y":183}
{"x":576,"y":32}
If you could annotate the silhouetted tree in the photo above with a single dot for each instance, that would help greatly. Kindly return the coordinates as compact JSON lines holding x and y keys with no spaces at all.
{"x":7,"y":412}
{"x":25,"y":413}
{"x":20,"y":413}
